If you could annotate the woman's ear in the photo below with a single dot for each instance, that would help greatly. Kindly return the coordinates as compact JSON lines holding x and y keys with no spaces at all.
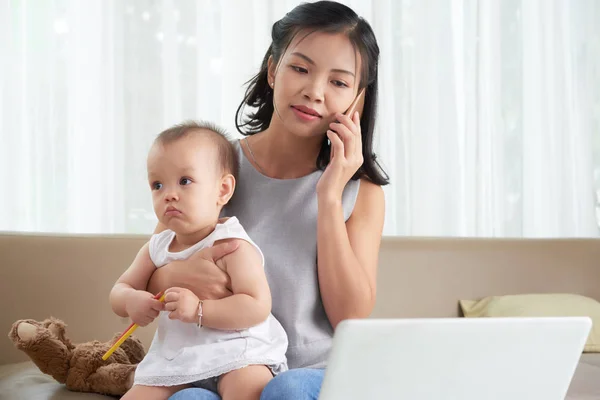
{"x":226,"y":188}
{"x":271,"y":69}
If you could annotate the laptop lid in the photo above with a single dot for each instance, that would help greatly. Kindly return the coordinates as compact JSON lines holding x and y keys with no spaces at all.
{"x":454,"y":358}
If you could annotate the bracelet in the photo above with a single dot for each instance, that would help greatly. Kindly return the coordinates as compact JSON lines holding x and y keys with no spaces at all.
{"x":200,"y":303}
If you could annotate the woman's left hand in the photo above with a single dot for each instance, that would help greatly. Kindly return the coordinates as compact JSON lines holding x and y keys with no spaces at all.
{"x":346,"y":156}
{"x":182,"y":304}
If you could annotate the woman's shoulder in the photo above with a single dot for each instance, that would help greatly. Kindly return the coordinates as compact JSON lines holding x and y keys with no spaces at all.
{"x":368,"y":216}
{"x":367,"y":186}
{"x":370,"y":197}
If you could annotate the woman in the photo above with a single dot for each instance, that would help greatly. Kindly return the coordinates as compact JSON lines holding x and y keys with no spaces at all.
{"x":309,"y":192}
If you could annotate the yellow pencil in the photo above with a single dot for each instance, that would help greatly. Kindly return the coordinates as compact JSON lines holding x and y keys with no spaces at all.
{"x":128,"y":332}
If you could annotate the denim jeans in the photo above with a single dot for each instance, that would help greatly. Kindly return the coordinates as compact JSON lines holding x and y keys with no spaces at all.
{"x":295,"y":384}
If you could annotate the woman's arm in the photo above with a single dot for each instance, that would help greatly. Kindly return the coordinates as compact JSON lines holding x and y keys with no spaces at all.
{"x":348,"y":253}
{"x":249,"y":305}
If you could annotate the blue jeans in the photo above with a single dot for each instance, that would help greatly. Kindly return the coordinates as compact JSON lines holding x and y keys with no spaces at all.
{"x":295,"y":384}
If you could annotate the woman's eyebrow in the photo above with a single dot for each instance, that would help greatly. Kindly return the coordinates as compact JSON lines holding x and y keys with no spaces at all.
{"x":310,"y":61}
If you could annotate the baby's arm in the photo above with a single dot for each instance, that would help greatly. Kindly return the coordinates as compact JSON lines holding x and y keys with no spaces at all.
{"x":129,"y":298}
{"x":249,"y":305}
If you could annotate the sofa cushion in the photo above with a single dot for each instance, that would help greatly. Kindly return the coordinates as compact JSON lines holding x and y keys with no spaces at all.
{"x":539,"y":305}
{"x":25,"y":381}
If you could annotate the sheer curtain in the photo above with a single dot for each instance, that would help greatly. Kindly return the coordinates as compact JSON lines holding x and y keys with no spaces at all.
{"x":489,"y":119}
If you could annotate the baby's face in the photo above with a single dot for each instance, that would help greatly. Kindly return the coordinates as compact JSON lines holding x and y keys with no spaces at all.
{"x":185,"y":178}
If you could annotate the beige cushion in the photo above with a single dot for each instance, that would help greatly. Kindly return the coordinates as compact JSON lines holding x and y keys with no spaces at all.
{"x":25,"y":381}
{"x":539,"y":305}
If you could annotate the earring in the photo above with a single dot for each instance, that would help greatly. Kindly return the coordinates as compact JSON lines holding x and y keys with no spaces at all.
{"x":271,"y":84}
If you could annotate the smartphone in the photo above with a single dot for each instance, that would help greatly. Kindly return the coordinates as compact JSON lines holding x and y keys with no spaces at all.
{"x":357,"y":105}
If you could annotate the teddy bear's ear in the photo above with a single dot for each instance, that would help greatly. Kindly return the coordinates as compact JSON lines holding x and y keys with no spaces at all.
{"x":54,"y":321}
{"x":58,"y":329}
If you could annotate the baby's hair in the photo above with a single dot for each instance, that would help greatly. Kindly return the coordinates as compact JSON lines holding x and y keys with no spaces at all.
{"x":226,"y":151}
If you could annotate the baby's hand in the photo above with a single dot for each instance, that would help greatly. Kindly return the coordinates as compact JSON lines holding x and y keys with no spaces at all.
{"x":142,"y":307}
{"x":183,"y":304}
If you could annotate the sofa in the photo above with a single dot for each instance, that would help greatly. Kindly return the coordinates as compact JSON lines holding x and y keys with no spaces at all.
{"x":70,"y":276}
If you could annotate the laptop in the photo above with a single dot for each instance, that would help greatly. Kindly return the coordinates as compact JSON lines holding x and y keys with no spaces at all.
{"x":454,"y":358}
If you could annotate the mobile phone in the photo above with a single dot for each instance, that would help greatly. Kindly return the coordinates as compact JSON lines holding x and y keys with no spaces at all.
{"x":357,"y":105}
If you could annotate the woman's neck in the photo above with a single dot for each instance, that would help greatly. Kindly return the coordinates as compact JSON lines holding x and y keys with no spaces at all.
{"x":282,"y":155}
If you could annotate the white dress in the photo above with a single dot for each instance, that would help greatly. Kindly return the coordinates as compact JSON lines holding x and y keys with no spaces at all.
{"x":185,"y":353}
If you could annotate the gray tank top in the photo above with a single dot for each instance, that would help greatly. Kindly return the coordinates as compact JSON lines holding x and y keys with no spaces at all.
{"x":281,"y":217}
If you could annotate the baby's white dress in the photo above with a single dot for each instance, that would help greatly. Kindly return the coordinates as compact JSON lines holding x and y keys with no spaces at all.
{"x":183,"y":353}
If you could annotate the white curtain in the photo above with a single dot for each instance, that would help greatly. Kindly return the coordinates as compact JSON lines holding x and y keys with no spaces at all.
{"x":489,"y":119}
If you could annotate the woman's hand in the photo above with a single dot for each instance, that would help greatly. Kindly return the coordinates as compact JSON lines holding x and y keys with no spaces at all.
{"x":346,"y":157}
{"x":199,"y":273}
{"x":182,"y":304}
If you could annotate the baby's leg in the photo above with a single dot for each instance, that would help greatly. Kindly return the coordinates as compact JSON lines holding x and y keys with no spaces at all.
{"x":152,"y":392}
{"x":245,"y":383}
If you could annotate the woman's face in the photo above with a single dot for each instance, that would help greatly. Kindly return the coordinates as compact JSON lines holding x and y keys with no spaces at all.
{"x":318,"y":76}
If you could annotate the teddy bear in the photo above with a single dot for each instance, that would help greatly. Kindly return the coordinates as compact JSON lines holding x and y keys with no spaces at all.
{"x":79,"y":366}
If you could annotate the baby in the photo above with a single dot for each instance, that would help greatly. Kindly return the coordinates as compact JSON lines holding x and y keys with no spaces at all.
{"x":232,"y":346}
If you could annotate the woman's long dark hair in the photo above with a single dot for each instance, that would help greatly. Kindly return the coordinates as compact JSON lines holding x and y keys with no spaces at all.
{"x":323,"y":16}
